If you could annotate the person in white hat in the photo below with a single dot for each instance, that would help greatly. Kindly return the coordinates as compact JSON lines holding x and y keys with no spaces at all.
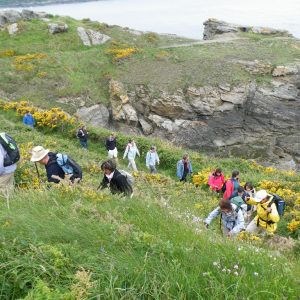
{"x":267,"y":215}
{"x":48,"y":159}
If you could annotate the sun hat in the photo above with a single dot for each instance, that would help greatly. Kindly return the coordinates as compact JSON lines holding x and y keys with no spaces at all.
{"x":38,"y":153}
{"x":261,"y":195}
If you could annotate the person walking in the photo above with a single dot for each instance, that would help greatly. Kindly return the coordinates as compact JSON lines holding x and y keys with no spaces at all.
{"x":8,"y":164}
{"x":216,"y":180}
{"x":184,"y":167}
{"x":111,"y":146}
{"x":117,"y":182}
{"x":28,"y":119}
{"x":231,"y":216}
{"x":152,"y":160}
{"x":83,"y":136}
{"x":267,"y":215}
{"x":130,"y":152}
{"x":232,"y":185}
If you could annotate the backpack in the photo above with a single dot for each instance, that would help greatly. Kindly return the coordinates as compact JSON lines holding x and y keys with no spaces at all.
{"x":69,"y":166}
{"x":280,"y":204}
{"x":236,"y":211}
{"x":12,"y":151}
{"x":128,"y":176}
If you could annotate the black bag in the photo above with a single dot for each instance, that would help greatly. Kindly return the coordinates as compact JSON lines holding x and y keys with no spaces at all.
{"x":69,"y":166}
{"x":280,"y":204}
{"x":12,"y":151}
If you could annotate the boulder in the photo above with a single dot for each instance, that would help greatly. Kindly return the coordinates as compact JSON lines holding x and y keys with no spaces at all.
{"x":236,"y":96}
{"x":55,"y":28}
{"x":214,"y":29}
{"x":9,"y":16}
{"x":91,"y":37}
{"x":12,"y":29}
{"x":286,"y":70}
{"x":171,"y":106}
{"x":146,"y":127}
{"x":96,"y":115}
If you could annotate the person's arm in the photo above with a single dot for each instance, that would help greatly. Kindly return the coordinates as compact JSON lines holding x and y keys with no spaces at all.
{"x":191,"y":168}
{"x":103,"y":183}
{"x":107,"y":144}
{"x":2,"y":169}
{"x":25,"y":120}
{"x":157,"y":158}
{"x":273,"y":215}
{"x":179,"y":169}
{"x":148,"y":160}
{"x":137,"y":151}
{"x":212,"y":215}
{"x":251,"y":201}
{"x":240,"y":223}
{"x":126,"y":151}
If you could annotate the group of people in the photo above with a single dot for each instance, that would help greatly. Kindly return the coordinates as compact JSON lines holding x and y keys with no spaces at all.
{"x":238,"y":205}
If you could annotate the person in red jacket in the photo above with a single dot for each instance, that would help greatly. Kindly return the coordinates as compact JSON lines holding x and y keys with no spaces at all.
{"x":231,"y":185}
{"x":216,"y":180}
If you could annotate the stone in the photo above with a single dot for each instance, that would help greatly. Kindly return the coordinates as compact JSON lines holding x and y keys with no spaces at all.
{"x":130,"y":113}
{"x":214,"y":29}
{"x":91,"y":37}
{"x":55,"y":28}
{"x":146,"y":127}
{"x":285,"y":70}
{"x":29,"y":14}
{"x":83,"y":36}
{"x":171,"y":106}
{"x":237,"y":96}
{"x":96,"y":115}
{"x":12,"y":29}
{"x":9,"y":16}
{"x":256,"y":67}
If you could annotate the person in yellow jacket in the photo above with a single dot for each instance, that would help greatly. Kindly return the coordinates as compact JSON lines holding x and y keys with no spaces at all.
{"x":267,"y":215}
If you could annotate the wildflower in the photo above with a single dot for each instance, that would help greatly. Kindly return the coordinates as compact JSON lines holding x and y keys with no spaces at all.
{"x":215,"y":263}
{"x":236,"y":273}
{"x":205,"y":274}
{"x":236,"y":267}
{"x":228,"y":271}
{"x":255,"y":274}
{"x":224,"y":270}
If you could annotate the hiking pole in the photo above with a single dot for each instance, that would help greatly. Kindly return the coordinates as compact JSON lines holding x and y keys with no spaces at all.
{"x":37,"y":171}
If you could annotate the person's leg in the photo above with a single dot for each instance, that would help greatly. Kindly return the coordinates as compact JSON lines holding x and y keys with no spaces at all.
{"x":225,"y":230}
{"x":252,"y":227}
{"x":153,"y":170}
{"x":133,"y":165}
{"x":184,"y":176}
{"x":110,"y":154}
{"x":6,"y":185}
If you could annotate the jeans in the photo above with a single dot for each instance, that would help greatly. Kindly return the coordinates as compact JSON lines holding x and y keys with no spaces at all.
{"x":185,"y":173}
{"x":84,"y":144}
{"x":132,"y":164}
{"x":153,"y":170}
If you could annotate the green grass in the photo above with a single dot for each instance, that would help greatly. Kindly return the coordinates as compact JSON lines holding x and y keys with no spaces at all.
{"x":147,"y":247}
{"x":78,"y":72}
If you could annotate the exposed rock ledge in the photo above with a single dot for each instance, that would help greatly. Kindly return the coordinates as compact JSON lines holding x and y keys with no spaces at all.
{"x":214,"y":29}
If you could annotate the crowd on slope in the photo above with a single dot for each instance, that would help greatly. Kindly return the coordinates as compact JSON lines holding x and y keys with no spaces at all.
{"x":236,"y":208}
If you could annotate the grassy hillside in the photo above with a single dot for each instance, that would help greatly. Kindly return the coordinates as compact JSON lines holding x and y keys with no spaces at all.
{"x":76,"y":243}
{"x":69,"y":72}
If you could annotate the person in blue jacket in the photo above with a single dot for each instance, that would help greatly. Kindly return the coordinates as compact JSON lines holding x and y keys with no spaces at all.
{"x":28,"y":119}
{"x":184,"y":167}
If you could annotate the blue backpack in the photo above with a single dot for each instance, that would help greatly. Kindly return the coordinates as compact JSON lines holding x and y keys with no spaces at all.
{"x":69,"y":166}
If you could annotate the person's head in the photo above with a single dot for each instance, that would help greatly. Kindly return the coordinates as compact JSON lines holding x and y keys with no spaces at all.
{"x":225,"y":206}
{"x":130,"y":141}
{"x":27,"y":112}
{"x":240,"y":190}
{"x":40,"y":154}
{"x":113,"y":135}
{"x":153,"y":148}
{"x":108,"y":167}
{"x":218,"y":172}
{"x":248,"y":187}
{"x":262,"y":196}
{"x":235,"y":174}
{"x":83,"y":127}
{"x":185,"y":156}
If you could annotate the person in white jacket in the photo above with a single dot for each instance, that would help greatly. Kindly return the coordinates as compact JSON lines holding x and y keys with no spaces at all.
{"x":6,"y":175}
{"x":130,"y":152}
{"x":231,"y":216}
{"x":152,"y":160}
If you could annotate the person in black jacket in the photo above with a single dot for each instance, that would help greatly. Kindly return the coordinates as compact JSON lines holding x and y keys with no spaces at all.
{"x":113,"y":179}
{"x":111,"y":146}
{"x":48,"y":159}
{"x":83,"y":136}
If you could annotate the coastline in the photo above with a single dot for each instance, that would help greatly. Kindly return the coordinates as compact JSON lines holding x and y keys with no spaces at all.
{"x":45,"y":3}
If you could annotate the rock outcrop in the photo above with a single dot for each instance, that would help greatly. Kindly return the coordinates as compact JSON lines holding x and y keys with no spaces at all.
{"x":96,"y":115}
{"x":55,"y":28}
{"x":214,"y":29}
{"x":12,"y":28}
{"x":13,"y":16}
{"x":91,"y":37}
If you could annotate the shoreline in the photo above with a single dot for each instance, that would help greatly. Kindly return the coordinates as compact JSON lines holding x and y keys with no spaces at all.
{"x":46,"y":3}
